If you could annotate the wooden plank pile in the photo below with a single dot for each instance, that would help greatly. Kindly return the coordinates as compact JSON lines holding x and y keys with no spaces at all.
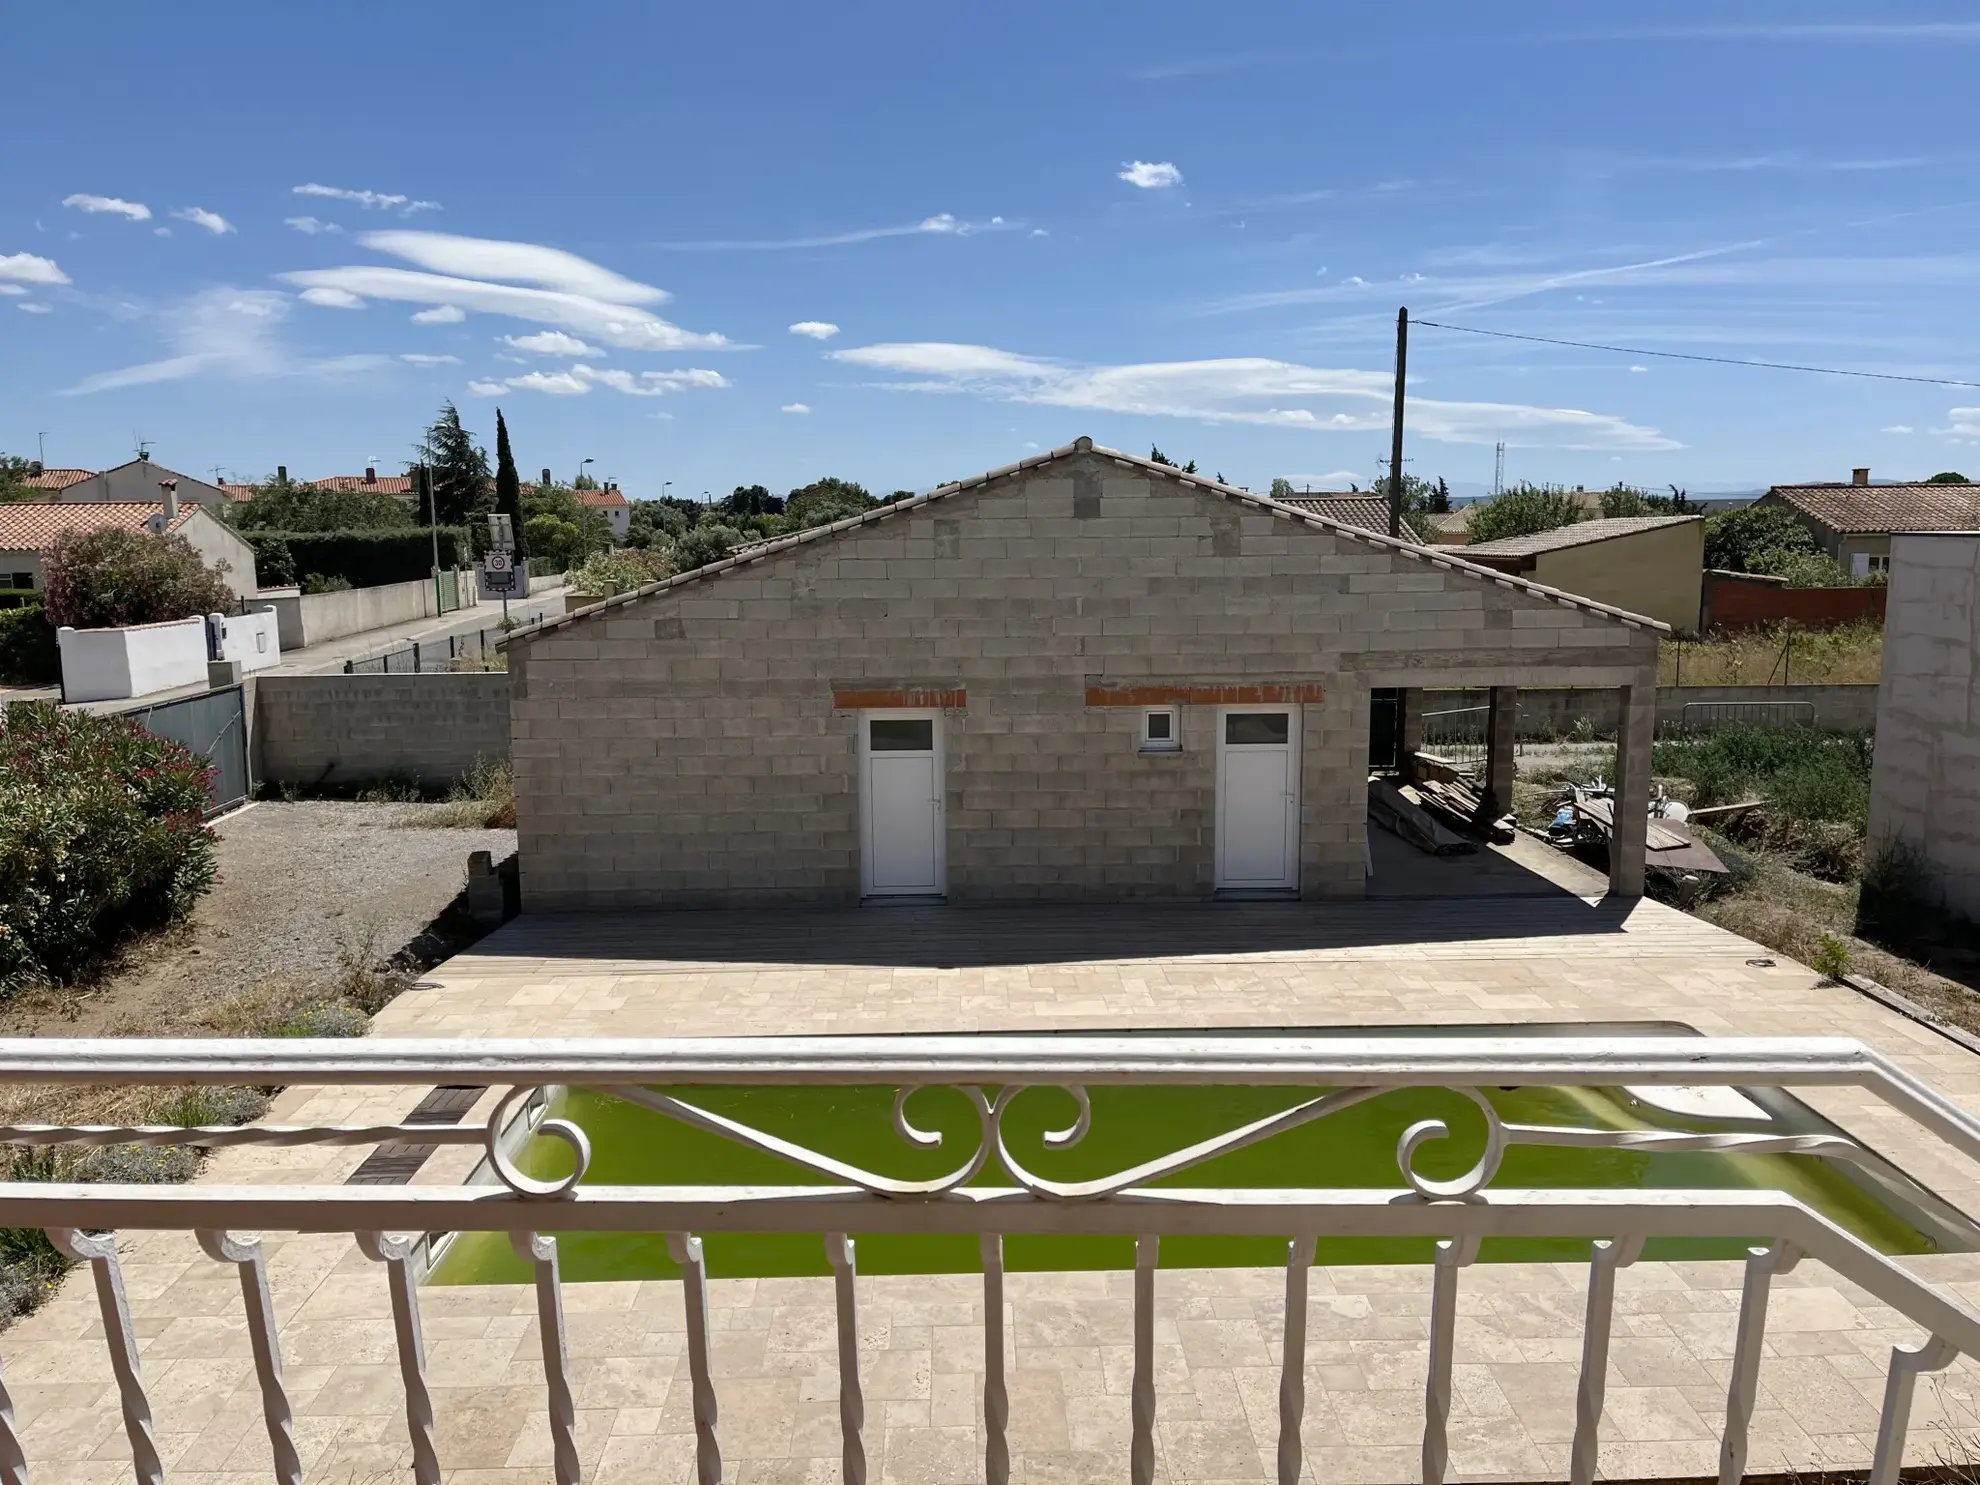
{"x":1461,"y":802}
{"x":1400,"y":808}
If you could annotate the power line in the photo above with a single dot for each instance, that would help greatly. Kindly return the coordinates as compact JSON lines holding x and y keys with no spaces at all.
{"x":1624,"y":350}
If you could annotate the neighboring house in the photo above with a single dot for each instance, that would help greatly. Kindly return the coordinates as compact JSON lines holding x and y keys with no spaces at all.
{"x":28,"y":527}
{"x":139,"y":481}
{"x":1651,"y":565}
{"x":1371,"y":513}
{"x":1925,"y":781}
{"x":1083,"y":676}
{"x":371,"y":482}
{"x":48,"y":481}
{"x":610,"y":504}
{"x":1855,"y":522}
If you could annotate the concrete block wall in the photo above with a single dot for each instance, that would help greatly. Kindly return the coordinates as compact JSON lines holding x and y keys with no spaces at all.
{"x":347,"y":729}
{"x":684,"y":749}
{"x":1925,"y":782}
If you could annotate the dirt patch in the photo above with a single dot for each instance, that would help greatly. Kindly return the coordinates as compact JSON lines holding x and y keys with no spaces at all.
{"x":306,"y":891}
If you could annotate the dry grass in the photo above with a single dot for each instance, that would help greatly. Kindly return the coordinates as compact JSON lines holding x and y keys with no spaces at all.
{"x":483,"y":800}
{"x":1853,"y":654}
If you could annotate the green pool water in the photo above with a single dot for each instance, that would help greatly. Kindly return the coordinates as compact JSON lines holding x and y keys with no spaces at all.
{"x":1352,"y":1148}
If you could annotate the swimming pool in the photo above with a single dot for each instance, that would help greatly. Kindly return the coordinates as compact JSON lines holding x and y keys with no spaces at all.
{"x":1355,"y":1147}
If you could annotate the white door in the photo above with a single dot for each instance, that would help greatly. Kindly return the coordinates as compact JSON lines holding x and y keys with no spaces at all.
{"x":1258,"y":799}
{"x":901,"y":804}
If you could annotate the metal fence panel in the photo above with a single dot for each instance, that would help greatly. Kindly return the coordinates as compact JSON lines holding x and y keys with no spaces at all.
{"x":1703,"y":716}
{"x":213,"y":725}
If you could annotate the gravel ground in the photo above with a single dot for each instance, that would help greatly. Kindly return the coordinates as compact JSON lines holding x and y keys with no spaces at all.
{"x":303,"y":889}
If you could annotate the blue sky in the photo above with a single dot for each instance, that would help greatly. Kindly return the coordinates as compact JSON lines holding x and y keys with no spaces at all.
{"x":259,"y":234}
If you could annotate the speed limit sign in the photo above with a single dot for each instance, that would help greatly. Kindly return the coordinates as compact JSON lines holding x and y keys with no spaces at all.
{"x":499,"y":561}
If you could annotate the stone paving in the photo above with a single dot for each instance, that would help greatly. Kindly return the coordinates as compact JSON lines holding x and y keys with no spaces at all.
{"x":1562,"y":958}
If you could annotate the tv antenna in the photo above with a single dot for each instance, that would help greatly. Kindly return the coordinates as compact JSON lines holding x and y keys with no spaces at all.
{"x":143,"y":445}
{"x":1499,"y":470}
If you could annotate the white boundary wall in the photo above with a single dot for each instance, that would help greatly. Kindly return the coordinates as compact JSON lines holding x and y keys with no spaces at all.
{"x":253,"y":639}
{"x":110,"y":664}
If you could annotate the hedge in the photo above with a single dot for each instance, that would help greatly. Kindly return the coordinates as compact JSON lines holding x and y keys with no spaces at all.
{"x":101,"y":828}
{"x":28,"y":653}
{"x":364,"y":559}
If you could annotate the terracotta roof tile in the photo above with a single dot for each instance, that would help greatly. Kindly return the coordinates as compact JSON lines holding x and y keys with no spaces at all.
{"x":29,"y":525}
{"x":56,"y":479}
{"x":357,"y":484}
{"x":1369,"y":512}
{"x":600,"y":497}
{"x":1869,"y":509}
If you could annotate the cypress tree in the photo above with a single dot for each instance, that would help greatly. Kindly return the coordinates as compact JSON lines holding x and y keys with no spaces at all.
{"x":508,"y":487}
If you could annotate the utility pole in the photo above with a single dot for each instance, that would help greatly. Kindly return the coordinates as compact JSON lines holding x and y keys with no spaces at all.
{"x":433,"y":524}
{"x":41,"y":449}
{"x":1499,"y":470}
{"x":1396,"y":428}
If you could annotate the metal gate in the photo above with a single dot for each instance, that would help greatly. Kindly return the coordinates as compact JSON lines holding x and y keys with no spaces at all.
{"x":1704,"y":716}
{"x":214,"y":726}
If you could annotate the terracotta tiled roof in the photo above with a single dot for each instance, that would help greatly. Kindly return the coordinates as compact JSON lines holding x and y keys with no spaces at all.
{"x":357,"y":484}
{"x":56,"y":479}
{"x":1369,"y":512}
{"x":1869,"y":509}
{"x":240,"y":492}
{"x":600,"y":497}
{"x":30,"y":525}
{"x":1581,"y":534}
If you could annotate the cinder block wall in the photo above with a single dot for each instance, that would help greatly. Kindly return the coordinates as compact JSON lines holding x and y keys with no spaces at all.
{"x":685,"y":750}
{"x":1925,"y":784}
{"x":343,"y":729}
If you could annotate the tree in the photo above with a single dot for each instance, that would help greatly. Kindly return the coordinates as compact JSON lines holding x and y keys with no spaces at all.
{"x":14,"y":474}
{"x":1524,"y":510}
{"x":824,"y":501}
{"x":459,"y":470}
{"x":1757,"y":538}
{"x":1281,"y":488}
{"x":578,"y":530}
{"x":1156,"y":456}
{"x":1949,"y":477}
{"x":1627,"y":500}
{"x":287,"y":505}
{"x":750,"y":500}
{"x":709,"y":542}
{"x":655,"y":523}
{"x":111,"y":577}
{"x":508,"y":484}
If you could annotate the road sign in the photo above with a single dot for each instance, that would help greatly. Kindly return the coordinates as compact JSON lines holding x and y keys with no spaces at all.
{"x":502,"y":577}
{"x":498,"y":561}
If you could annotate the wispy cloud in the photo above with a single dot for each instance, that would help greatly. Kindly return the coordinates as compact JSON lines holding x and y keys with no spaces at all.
{"x":311,"y":226}
{"x":224,"y":331}
{"x":794,"y":407}
{"x":440,"y":314}
{"x":33,"y":307}
{"x":328,"y":298}
{"x":420,"y":358}
{"x":1898,"y":428}
{"x":942,"y":224}
{"x":1338,"y":479}
{"x":1245,"y":390}
{"x":557,"y":288}
{"x":815,"y":329}
{"x":369,"y":200}
{"x":1965,"y":421}
{"x":137,"y":211}
{"x":579,"y":379}
{"x":14,"y":290}
{"x":551,"y":343}
{"x":26,"y":268}
{"x":199,"y":216}
{"x":1150,"y":175}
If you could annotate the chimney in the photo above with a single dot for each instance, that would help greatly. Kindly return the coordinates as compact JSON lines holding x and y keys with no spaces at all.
{"x":281,"y":474}
{"x":1859,"y":476}
{"x":170,"y":490}
{"x":546,"y":476}
{"x":370,"y":475}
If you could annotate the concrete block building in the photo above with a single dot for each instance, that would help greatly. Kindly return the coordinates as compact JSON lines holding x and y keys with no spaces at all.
{"x":1925,"y":783}
{"x":1084,"y":676}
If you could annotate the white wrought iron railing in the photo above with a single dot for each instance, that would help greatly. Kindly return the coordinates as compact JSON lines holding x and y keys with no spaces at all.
{"x":991,"y":1072}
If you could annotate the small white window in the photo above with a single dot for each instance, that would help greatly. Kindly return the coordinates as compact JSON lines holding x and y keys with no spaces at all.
{"x":1161,"y":730}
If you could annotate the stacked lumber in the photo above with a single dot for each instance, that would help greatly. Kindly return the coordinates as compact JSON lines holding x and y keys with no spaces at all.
{"x":1461,"y":802}
{"x":1668,"y":843}
{"x":1400,"y":809}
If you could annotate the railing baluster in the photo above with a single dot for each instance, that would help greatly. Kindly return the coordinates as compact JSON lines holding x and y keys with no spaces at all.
{"x":852,"y":1403}
{"x":396,"y":1253}
{"x":1452,"y":1255}
{"x":1292,"y":1367}
{"x":99,"y":1251}
{"x":996,"y":1392}
{"x":13,"y":1459}
{"x":1761,"y":1266}
{"x":541,"y":1253}
{"x":259,"y":1305}
{"x":1141,"y":1448}
{"x":1610,"y":1255}
{"x":1935,"y":1355}
{"x":686,"y":1251}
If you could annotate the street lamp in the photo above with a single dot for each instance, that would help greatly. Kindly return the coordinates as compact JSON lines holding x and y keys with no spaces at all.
{"x":580,"y":473}
{"x":665,"y":486}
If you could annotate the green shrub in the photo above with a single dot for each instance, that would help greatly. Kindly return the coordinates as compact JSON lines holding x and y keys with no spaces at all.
{"x":108,"y":578}
{"x":274,"y":563}
{"x":1524,"y":510}
{"x":371,"y":559}
{"x":29,"y":655}
{"x":1832,"y":957}
{"x":625,"y":568}
{"x":705,"y":544}
{"x":102,"y":833}
{"x":316,"y":582}
{"x":279,"y":506}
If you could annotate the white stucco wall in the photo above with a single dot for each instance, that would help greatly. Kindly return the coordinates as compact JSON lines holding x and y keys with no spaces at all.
{"x":1925,"y":786}
{"x":253,"y":639}
{"x":138,"y":480}
{"x":109,"y":664}
{"x":220,"y":548}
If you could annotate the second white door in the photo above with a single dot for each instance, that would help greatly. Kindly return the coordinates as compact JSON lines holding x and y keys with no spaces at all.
{"x":1258,"y":800}
{"x":901,"y":786}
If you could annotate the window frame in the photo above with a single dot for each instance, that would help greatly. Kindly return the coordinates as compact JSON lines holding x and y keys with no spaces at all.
{"x":1161,"y":745}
